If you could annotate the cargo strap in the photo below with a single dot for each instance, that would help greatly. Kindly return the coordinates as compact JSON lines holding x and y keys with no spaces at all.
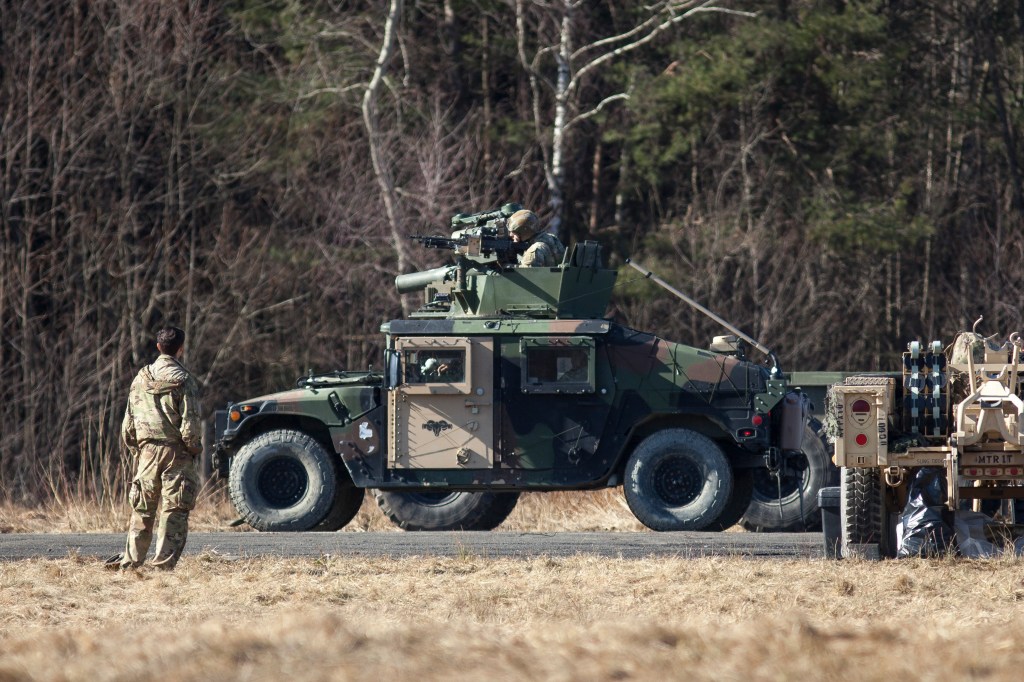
{"x":777,"y":465}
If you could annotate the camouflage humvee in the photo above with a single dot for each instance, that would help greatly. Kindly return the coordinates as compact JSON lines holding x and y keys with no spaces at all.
{"x":510,"y":379}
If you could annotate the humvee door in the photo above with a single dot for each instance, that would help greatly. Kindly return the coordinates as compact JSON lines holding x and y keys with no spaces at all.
{"x":442,"y":409}
{"x":554,"y":407}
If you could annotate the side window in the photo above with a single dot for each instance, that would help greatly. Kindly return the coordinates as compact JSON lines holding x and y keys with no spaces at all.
{"x":435,"y":366}
{"x":557,"y":365}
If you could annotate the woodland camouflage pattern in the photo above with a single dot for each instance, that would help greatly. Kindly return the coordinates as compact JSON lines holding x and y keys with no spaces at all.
{"x":163,"y":432}
{"x":546,"y":435}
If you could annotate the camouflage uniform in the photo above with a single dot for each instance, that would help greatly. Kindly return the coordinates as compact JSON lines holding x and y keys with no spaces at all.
{"x":162,"y":431}
{"x":545,"y":251}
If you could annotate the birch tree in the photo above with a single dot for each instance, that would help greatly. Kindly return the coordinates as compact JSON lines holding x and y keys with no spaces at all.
{"x":562,"y":63}
{"x":378,"y":154}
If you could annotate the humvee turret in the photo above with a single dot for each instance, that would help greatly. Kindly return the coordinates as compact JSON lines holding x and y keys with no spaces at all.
{"x":510,"y":379}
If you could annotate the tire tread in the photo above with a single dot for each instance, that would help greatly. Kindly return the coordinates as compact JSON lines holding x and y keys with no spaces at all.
{"x":651,"y":511}
{"x":475,"y":511}
{"x":319,"y":507}
{"x":864,"y":510}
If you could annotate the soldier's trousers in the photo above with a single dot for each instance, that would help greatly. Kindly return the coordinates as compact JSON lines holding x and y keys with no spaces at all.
{"x":164,"y":476}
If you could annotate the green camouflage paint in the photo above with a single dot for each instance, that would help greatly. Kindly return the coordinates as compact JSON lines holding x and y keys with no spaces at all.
{"x":547,"y":439}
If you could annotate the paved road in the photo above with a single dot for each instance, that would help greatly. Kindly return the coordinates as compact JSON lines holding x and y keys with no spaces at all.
{"x":494,"y":544}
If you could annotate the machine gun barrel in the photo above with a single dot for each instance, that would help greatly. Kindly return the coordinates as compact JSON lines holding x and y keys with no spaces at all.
{"x":436,"y":242}
{"x":474,"y":242}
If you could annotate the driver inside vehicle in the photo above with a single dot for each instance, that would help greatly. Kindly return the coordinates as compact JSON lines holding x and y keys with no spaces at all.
{"x":433,"y":368}
{"x":573,"y":367}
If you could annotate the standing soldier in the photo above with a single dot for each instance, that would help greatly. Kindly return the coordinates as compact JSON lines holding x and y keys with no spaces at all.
{"x":162,"y":432}
{"x":544,"y":248}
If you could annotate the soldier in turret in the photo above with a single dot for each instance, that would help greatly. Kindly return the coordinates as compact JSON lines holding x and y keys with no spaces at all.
{"x":544,"y":248}
{"x":163,"y":433}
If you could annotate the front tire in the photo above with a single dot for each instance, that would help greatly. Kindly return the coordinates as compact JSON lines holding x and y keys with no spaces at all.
{"x":678,"y":479}
{"x":283,"y":480}
{"x":864,"y":512}
{"x":446,"y":510}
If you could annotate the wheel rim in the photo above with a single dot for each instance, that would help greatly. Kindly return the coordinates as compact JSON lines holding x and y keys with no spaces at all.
{"x":432,"y":499}
{"x":794,"y":482}
{"x":677,"y":480}
{"x":282,"y":482}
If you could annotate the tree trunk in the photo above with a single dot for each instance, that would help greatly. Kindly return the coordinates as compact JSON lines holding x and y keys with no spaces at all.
{"x":378,"y":157}
{"x":595,"y":186}
{"x":485,"y":92}
{"x":556,"y":175}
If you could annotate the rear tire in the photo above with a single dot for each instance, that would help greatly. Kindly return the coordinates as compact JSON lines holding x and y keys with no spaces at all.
{"x":446,"y":510}
{"x":864,"y":512}
{"x":347,"y":501}
{"x":678,"y":479}
{"x":799,"y":510}
{"x":283,"y":480}
{"x":742,"y":491}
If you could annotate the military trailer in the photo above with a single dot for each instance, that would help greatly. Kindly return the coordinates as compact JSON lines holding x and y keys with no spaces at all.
{"x":510,"y":379}
{"x":957,"y":415}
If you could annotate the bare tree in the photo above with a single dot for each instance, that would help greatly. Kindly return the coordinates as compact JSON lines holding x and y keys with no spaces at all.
{"x":371,"y":119}
{"x":556,"y":26}
{"x":196,"y":163}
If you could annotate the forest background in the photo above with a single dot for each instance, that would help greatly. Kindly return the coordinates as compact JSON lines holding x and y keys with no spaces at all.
{"x":836,"y":178}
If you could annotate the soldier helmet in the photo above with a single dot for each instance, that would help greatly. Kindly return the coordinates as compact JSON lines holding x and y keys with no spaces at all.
{"x":523,"y":223}
{"x":430,"y":364}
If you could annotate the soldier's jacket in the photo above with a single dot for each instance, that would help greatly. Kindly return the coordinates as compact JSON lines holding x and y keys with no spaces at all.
{"x":163,"y":407}
{"x":545,"y":251}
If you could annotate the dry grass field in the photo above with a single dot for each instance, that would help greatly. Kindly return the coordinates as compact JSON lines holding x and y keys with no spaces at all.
{"x":471,"y":618}
{"x":474,"y":618}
